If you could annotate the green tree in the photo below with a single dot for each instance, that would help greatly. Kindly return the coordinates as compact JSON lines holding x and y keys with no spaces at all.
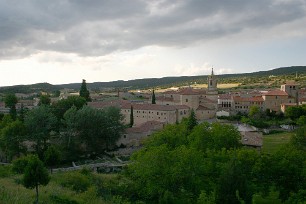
{"x":215,"y":137}
{"x":39,"y":123}
{"x":63,"y":105}
{"x":22,"y":112}
{"x":35,"y":174}
{"x":132,"y":117}
{"x":6,"y":120}
{"x":12,"y":137}
{"x":98,"y":129}
{"x":288,"y":171}
{"x":254,"y":112}
{"x":44,"y":100}
{"x":114,"y":124}
{"x":84,"y":92}
{"x":301,"y":121}
{"x":294,"y":112}
{"x":153,"y":98}
{"x":192,"y":121}
{"x":298,"y":140}
{"x":52,"y":157}
{"x":10,"y":101}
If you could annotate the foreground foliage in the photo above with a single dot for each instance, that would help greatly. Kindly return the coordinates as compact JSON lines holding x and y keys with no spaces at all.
{"x":208,"y":165}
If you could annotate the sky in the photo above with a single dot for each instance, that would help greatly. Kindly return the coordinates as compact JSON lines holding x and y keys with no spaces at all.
{"x":65,"y":41}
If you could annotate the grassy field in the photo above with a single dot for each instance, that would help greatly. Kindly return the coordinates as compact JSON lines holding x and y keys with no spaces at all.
{"x":65,"y":187}
{"x":273,"y":142}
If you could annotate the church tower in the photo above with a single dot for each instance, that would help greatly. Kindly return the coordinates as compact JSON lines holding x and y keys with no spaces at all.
{"x":212,"y":81}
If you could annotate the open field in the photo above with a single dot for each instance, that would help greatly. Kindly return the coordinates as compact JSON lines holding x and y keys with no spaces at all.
{"x":273,"y":142}
{"x":198,"y":86}
{"x":219,"y":86}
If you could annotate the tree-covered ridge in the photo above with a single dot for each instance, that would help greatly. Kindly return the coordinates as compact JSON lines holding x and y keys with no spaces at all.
{"x":243,"y":78}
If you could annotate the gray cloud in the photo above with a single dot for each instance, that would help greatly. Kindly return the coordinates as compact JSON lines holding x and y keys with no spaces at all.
{"x":96,"y":27}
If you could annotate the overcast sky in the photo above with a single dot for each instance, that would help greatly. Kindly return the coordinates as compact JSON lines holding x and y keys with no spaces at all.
{"x":65,"y":41}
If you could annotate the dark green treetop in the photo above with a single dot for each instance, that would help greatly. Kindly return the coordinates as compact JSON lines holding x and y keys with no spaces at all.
{"x":84,"y":92}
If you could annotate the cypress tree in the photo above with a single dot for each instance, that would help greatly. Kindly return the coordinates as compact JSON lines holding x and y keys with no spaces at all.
{"x":153,"y":98}
{"x":192,"y":121}
{"x":131,"y":117}
{"x":84,"y":92}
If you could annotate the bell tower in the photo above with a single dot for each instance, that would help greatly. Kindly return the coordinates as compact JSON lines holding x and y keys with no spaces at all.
{"x":212,"y":81}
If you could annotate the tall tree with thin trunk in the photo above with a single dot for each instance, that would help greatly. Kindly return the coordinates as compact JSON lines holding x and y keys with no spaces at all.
{"x":153,"y":98}
{"x":131,"y":117}
{"x":84,"y":92}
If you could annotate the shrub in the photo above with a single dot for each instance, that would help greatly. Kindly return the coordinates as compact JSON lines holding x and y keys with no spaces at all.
{"x":75,"y":181}
{"x":5,"y":171}
{"x":62,"y":200}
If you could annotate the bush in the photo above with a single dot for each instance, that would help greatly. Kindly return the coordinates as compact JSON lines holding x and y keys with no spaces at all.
{"x":76,"y":181}
{"x":5,"y":171}
{"x":62,"y":200}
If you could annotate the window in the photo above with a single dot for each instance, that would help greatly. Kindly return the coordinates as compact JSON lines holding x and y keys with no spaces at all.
{"x":157,"y":113}
{"x":186,"y":99}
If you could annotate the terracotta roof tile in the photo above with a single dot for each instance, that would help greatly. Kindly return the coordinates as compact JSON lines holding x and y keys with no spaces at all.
{"x":248,"y":99}
{"x":145,"y":127}
{"x":275,"y":93}
{"x":201,"y":107}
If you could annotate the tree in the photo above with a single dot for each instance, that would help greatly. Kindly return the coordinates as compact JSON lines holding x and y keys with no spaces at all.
{"x":294,"y":112}
{"x":84,"y":92}
{"x":12,"y":137}
{"x":254,"y":112}
{"x":63,"y":105}
{"x":132,"y":117}
{"x":35,"y":174}
{"x":10,"y":101}
{"x":301,"y":121}
{"x":153,"y":98}
{"x":44,"y":100}
{"x":97,"y":129}
{"x":299,"y":138}
{"x":288,"y":171}
{"x":214,"y":137}
{"x":114,"y":124}
{"x":192,"y":121}
{"x":39,"y":123}
{"x":52,"y":157}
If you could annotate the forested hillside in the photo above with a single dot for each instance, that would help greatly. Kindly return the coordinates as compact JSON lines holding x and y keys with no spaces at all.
{"x":161,"y":82}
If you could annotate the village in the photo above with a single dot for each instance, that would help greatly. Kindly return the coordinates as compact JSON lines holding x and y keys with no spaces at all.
{"x":150,"y":110}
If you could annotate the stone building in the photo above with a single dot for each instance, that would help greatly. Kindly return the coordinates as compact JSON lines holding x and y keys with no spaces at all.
{"x":203,"y":101}
{"x":142,"y":113}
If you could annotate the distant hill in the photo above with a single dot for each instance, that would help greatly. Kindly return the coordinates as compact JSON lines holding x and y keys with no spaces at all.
{"x":150,"y":82}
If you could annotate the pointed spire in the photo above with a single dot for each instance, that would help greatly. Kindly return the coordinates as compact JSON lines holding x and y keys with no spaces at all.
{"x":212,"y":70}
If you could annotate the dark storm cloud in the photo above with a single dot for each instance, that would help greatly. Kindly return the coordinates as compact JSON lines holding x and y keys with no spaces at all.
{"x":96,"y":27}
